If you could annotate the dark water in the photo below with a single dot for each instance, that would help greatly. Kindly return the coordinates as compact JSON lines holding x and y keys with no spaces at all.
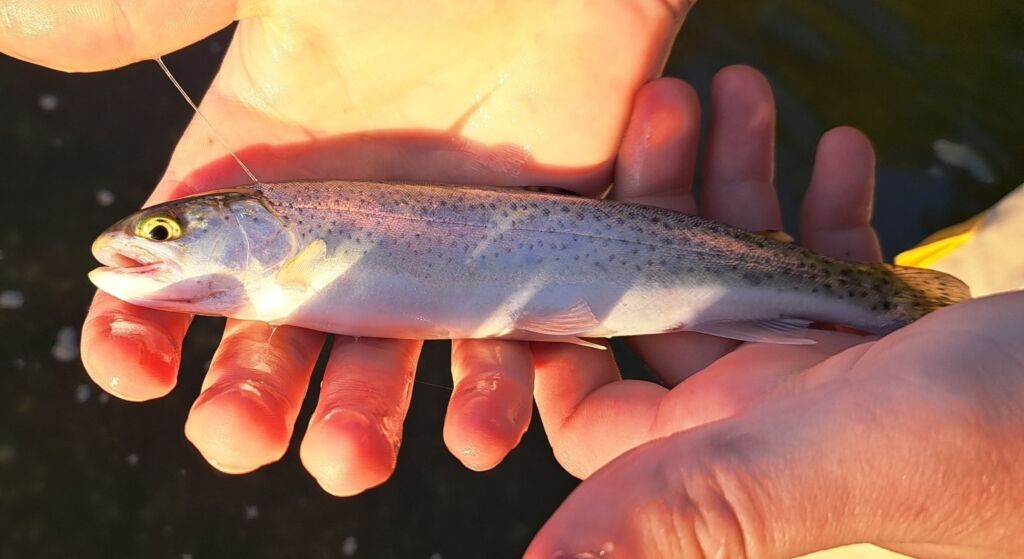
{"x":82,"y":475}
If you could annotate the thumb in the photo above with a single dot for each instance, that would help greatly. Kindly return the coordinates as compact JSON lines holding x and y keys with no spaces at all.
{"x":820,"y":470}
{"x":90,"y":35}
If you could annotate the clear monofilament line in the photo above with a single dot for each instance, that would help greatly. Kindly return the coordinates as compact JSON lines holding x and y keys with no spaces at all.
{"x":209,"y":125}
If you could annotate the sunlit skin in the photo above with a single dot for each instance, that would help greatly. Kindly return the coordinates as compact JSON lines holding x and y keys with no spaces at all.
{"x":498,"y":92}
{"x":911,"y":441}
{"x":814,"y":446}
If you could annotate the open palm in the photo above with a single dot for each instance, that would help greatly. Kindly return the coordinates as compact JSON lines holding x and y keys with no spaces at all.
{"x":503,"y":92}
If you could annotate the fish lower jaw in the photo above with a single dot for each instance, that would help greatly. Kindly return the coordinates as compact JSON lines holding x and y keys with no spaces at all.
{"x":138,"y":269}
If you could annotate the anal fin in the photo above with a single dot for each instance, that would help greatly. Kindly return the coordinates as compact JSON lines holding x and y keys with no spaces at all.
{"x":563,"y":326}
{"x":573,"y":320}
{"x":782,"y":330}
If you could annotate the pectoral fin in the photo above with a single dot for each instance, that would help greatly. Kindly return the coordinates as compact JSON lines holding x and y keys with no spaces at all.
{"x":782,"y":330}
{"x":298,"y":271}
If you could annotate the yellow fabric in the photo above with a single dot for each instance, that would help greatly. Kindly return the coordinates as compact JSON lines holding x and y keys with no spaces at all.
{"x":984,"y":252}
{"x":939,"y":245}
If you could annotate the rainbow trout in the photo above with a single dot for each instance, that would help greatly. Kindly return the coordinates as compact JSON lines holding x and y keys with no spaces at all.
{"x":437,"y":262}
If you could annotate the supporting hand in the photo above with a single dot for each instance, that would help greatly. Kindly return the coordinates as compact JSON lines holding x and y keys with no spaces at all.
{"x":910,"y":441}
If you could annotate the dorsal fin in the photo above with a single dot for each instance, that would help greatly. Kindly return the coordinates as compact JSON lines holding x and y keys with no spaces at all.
{"x":777,"y":235}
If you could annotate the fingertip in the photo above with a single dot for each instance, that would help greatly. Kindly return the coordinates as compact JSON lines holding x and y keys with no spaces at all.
{"x":354,"y":435}
{"x":665,"y":94}
{"x":658,"y":154}
{"x":847,"y":154}
{"x":236,"y":431}
{"x":743,"y":86}
{"x":739,"y":173}
{"x":131,"y":352}
{"x":480,"y":430}
{"x":835,"y":218}
{"x":492,"y":402}
{"x":741,"y":79}
{"x":251,"y":396}
{"x":346,"y":453}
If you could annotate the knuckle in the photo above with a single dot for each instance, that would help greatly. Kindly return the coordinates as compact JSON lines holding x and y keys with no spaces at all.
{"x":709,"y":511}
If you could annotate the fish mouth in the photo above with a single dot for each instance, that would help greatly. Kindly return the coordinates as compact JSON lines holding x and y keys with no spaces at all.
{"x":127,"y":258}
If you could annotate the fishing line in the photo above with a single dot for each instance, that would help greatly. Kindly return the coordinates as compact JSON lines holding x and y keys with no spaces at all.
{"x":441,"y":386}
{"x":220,"y":139}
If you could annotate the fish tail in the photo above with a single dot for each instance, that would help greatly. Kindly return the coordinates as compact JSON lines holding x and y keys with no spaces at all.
{"x":927,"y":290}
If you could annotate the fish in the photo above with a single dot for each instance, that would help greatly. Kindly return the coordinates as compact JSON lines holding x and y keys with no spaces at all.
{"x":421,"y":261}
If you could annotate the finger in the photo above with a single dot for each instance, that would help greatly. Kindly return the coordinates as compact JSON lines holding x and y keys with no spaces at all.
{"x":656,"y":161}
{"x":492,"y":401}
{"x":353,"y":437}
{"x":245,"y":414}
{"x":677,"y":356}
{"x":750,"y":376}
{"x":655,"y":166}
{"x":90,"y":35}
{"x":590,"y":414}
{"x":738,"y":187}
{"x":836,"y":215}
{"x":132,"y":352}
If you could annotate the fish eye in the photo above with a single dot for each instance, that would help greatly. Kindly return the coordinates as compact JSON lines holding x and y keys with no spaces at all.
{"x":158,"y":228}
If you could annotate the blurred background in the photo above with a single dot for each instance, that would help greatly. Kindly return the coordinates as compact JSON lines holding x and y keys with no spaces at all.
{"x":935,"y":85}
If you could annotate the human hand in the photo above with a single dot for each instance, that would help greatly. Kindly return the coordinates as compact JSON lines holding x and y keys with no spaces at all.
{"x":498,"y":92}
{"x":910,"y":441}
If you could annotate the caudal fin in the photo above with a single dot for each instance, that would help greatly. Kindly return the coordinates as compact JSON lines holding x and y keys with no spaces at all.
{"x":928,"y":289}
